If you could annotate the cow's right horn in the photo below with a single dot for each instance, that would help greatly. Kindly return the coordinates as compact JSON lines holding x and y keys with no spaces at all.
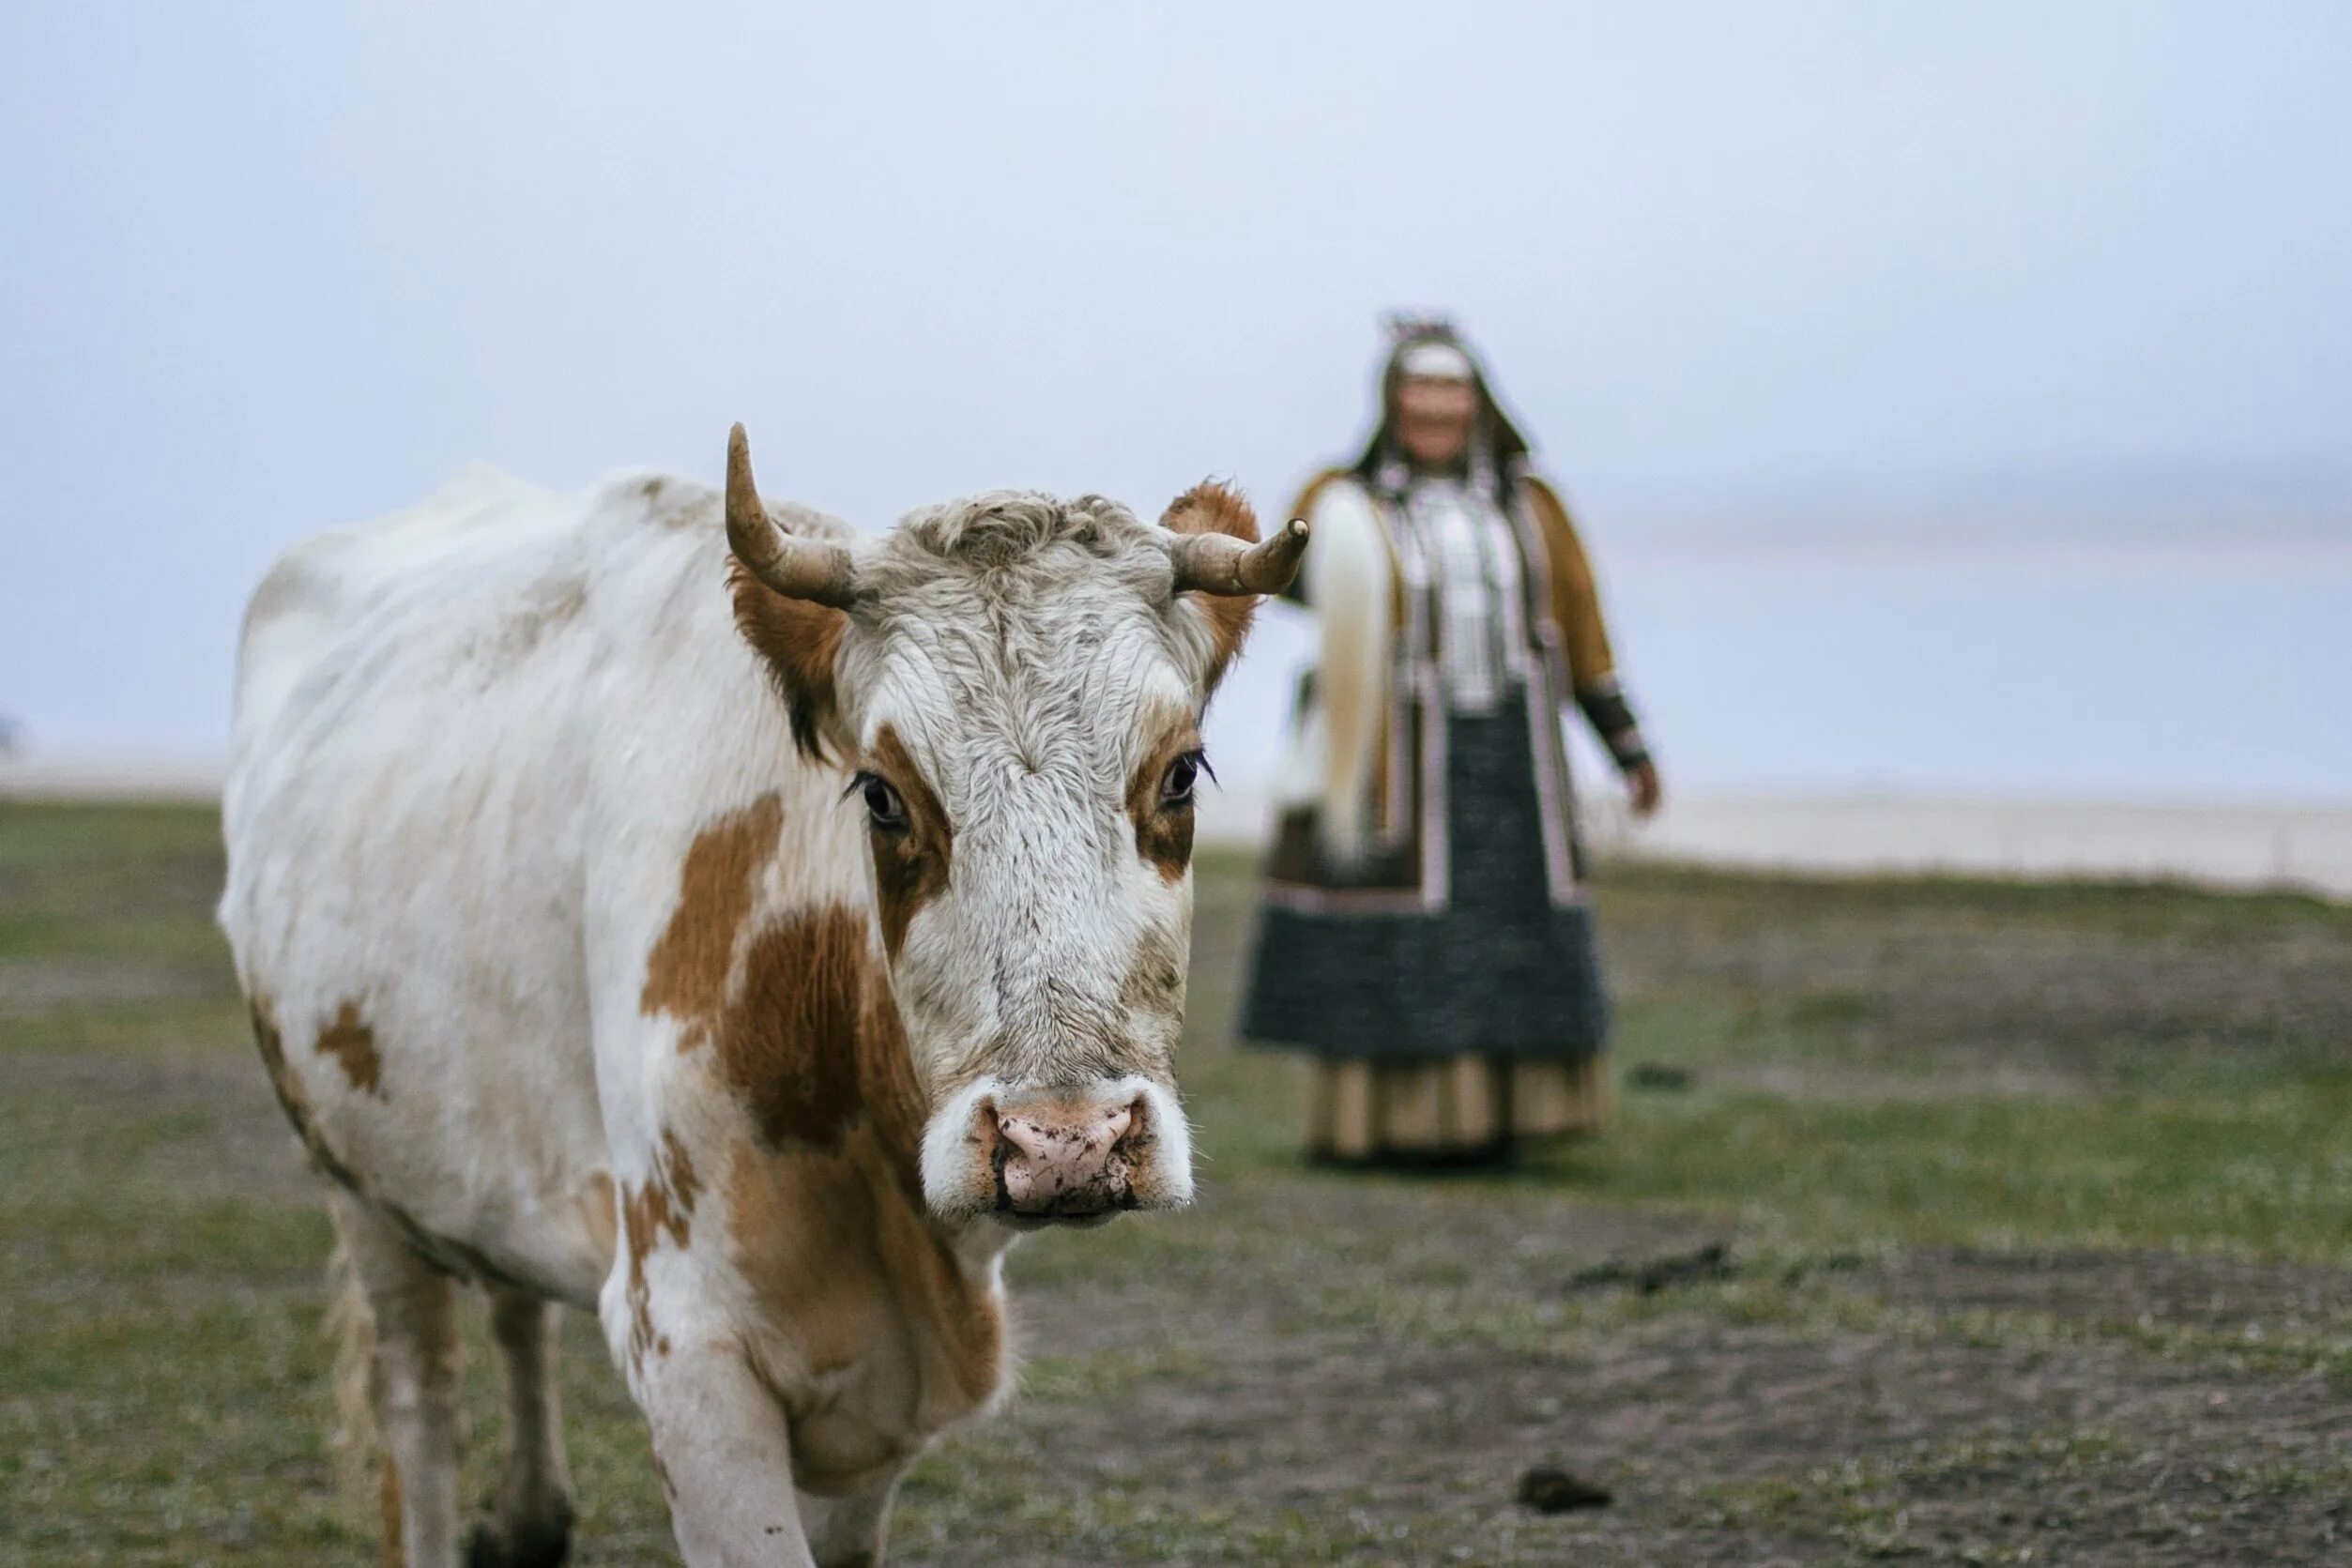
{"x":816,"y":570}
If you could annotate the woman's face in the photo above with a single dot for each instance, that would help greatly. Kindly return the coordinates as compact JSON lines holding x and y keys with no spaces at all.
{"x":1433,"y":420}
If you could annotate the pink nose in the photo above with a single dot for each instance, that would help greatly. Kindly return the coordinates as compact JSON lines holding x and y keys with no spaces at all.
{"x":1057,"y":1159}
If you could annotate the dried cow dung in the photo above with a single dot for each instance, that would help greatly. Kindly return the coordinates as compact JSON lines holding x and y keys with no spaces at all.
{"x":1710,"y":1262}
{"x":1549,"y":1490}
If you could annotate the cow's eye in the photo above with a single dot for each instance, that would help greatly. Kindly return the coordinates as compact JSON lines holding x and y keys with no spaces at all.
{"x":1182,"y":775}
{"x":882,"y":803}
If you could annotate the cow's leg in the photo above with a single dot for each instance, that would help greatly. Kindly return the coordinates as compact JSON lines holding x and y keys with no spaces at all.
{"x":720,"y":1444}
{"x":530,"y":1522}
{"x":848,"y":1532}
{"x":414,"y":1383}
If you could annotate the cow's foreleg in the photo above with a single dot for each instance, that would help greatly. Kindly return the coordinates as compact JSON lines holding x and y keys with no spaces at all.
{"x":721,"y":1448}
{"x":848,"y":1532}
{"x":414,"y":1383}
{"x":530,"y":1522}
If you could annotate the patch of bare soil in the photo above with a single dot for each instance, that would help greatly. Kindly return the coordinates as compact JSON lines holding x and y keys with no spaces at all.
{"x":1725,"y":1443}
{"x":2256,"y":1299}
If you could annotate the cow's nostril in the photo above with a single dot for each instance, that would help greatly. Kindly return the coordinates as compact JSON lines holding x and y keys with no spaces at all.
{"x":1064,"y":1159}
{"x":1024,"y":1136}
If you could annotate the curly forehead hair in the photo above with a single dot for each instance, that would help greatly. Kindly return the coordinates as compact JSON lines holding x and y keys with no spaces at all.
{"x":1019,"y":542}
{"x":1005,"y":525}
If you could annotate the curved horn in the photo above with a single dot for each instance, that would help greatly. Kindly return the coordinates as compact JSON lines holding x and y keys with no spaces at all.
{"x":1222,"y":565}
{"x":816,"y":570}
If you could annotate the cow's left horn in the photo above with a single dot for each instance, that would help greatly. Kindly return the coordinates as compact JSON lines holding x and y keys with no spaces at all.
{"x":816,"y":570}
{"x":1221,"y":564}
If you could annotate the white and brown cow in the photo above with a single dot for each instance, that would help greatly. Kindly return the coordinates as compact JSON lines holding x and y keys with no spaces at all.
{"x":682,"y":909}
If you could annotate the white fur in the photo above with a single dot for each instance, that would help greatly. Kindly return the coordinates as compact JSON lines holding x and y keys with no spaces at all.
{"x":1173,"y":1155}
{"x":951,"y":1177}
{"x":473,"y":744}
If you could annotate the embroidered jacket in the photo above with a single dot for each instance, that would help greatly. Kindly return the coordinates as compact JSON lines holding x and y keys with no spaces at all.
{"x":1363,"y":819}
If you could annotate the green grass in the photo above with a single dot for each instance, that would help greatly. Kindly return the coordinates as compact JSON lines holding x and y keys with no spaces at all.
{"x":1880,"y":1069}
{"x":2264,"y":1173}
{"x":2207,"y":1144}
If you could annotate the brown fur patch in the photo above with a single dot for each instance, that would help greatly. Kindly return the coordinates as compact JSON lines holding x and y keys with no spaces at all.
{"x":686,"y":973}
{"x":665,"y":1206}
{"x":838,"y":1245}
{"x":291,"y":1099}
{"x":787,"y":1043}
{"x":351,"y":1041}
{"x":825,"y":1209}
{"x":798,"y":641}
{"x":909,"y":869}
{"x":1211,"y":508}
{"x":1163,"y":835}
{"x":273,"y":1059}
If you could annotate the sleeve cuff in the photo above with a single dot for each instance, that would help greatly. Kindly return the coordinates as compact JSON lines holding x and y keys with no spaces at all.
{"x":1611,"y":714}
{"x":1628,"y":748}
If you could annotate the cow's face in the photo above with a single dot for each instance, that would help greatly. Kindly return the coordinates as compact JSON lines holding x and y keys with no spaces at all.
{"x":1015,"y":685}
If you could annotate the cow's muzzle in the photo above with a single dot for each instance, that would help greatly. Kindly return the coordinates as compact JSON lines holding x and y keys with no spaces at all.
{"x":1071,"y":1154}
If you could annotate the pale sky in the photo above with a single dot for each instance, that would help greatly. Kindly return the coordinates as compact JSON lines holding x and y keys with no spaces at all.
{"x":269,"y":267}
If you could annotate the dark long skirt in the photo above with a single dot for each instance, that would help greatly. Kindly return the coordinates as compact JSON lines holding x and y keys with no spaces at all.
{"x":1501,"y":972}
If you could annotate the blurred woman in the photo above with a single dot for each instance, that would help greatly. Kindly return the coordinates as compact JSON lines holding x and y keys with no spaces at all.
{"x":1426,"y":935}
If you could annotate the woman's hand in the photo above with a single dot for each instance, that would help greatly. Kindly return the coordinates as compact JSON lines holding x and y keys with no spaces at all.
{"x":1642,"y":785}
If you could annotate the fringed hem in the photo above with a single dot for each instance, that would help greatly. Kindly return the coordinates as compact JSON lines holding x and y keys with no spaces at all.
{"x":1460,"y":1109}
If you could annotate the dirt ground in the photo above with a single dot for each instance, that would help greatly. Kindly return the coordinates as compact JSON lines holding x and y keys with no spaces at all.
{"x":1965,"y":1222}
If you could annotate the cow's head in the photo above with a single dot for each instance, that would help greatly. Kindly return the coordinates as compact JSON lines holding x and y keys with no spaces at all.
{"x":1015,"y":686}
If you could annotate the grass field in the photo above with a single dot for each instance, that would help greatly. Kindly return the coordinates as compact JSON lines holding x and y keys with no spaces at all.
{"x":2037,"y":1204}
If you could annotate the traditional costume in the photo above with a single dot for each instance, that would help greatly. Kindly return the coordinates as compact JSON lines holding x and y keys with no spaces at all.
{"x":1426,"y":932}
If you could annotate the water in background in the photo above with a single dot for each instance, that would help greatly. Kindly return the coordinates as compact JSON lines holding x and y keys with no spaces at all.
{"x":2099,"y":669}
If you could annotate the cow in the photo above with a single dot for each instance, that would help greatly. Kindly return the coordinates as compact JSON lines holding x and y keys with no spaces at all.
{"x":655,"y":901}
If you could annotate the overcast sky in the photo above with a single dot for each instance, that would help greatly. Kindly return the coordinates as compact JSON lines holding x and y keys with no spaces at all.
{"x":269,"y":267}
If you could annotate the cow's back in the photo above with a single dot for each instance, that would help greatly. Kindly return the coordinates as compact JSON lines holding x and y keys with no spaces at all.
{"x":415,"y":781}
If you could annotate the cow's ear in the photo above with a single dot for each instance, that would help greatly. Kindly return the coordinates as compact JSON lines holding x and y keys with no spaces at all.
{"x":1211,"y":507}
{"x":799,"y":642}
